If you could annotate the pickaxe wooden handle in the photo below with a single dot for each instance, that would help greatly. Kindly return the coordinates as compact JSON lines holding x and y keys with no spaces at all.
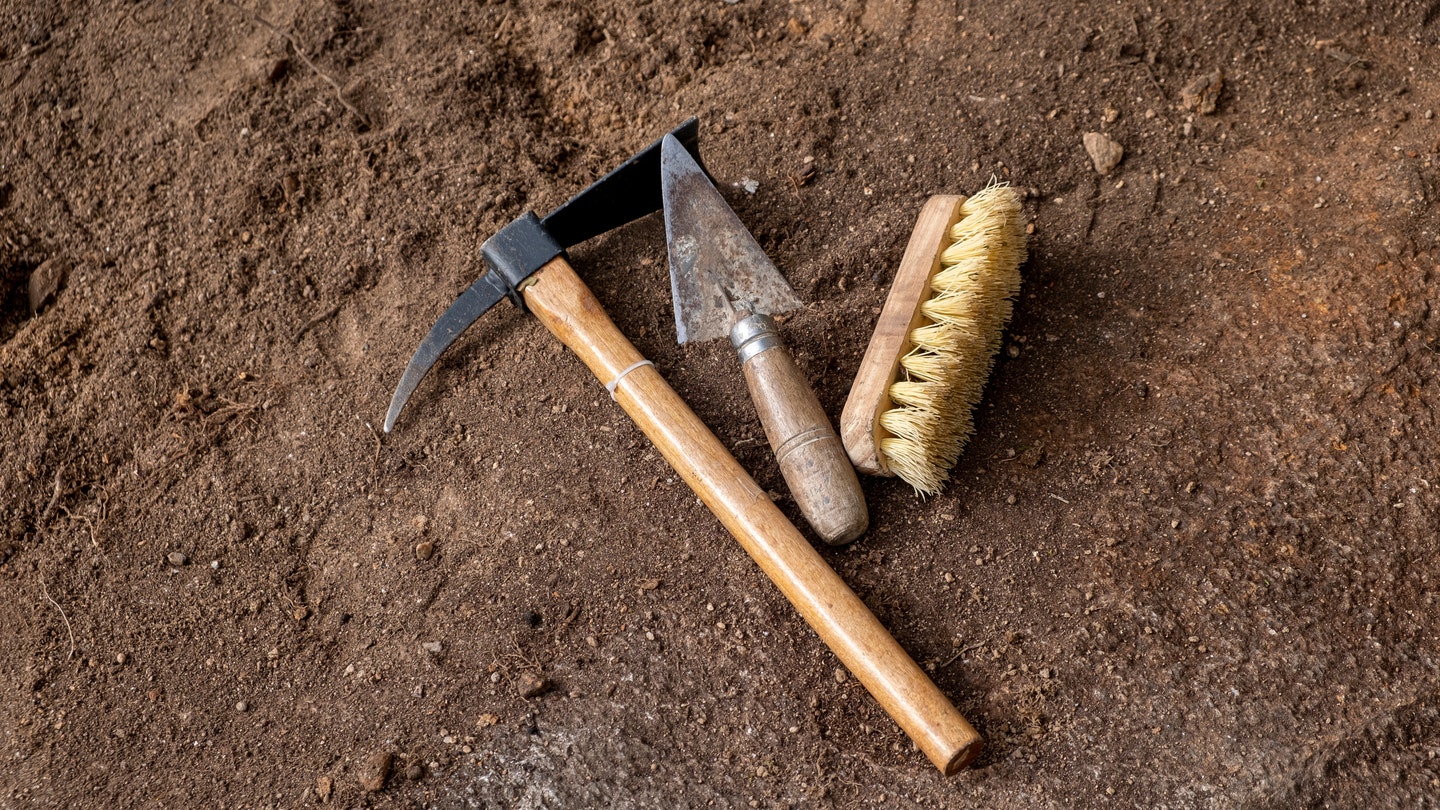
{"x":568,"y":309}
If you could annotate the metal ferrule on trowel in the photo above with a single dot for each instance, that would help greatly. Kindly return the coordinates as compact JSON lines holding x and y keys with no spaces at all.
{"x":527,"y":263}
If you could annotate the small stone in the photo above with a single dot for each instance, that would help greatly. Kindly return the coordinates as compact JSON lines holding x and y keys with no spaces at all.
{"x":531,"y":685}
{"x":177,"y":559}
{"x":1203,"y":92}
{"x":242,"y":707}
{"x":45,"y":281}
{"x":1104,"y":151}
{"x":424,"y":550}
{"x":841,"y":675}
{"x":374,"y":772}
{"x":432,"y":647}
{"x":415,"y":772}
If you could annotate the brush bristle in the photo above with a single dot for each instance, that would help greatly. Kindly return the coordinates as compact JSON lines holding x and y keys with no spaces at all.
{"x":943,"y":375}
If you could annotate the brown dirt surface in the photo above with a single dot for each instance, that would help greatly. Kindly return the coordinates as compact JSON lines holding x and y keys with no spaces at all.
{"x":1188,"y":560}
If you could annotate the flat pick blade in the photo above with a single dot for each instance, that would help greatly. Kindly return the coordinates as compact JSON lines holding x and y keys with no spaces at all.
{"x":718,"y":272}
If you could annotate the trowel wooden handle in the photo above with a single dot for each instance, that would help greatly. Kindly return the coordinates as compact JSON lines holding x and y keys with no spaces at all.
{"x":810,"y":455}
{"x":568,"y":309}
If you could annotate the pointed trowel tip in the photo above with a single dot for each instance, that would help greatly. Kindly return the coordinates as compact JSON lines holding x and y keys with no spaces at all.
{"x":673,"y":151}
{"x":668,"y":146}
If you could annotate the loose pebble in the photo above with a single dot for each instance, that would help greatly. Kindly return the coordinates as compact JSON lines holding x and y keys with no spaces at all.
{"x":530,"y":685}
{"x":374,"y":772}
{"x":841,"y":675}
{"x":1203,"y":92}
{"x":432,"y":647}
{"x":177,"y":559}
{"x":1104,"y":151}
{"x":424,"y":550}
{"x":242,"y":707}
{"x":45,"y":281}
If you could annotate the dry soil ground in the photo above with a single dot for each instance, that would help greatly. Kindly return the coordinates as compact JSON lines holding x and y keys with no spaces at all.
{"x":1189,"y":559}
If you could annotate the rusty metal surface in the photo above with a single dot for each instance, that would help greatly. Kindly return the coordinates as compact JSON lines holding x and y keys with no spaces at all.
{"x":718,"y":272}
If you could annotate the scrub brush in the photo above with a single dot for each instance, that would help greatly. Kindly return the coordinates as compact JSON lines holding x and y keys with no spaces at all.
{"x":909,"y":411}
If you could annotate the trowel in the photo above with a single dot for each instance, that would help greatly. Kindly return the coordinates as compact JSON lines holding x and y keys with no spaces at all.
{"x":724,"y":285}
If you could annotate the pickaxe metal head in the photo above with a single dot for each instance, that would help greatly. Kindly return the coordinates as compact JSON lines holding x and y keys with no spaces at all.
{"x":527,"y":244}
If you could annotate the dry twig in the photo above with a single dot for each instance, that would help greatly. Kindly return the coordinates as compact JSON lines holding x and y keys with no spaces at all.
{"x":44,"y":591}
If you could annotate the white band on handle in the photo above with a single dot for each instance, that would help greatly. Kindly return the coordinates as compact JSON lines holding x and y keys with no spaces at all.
{"x":610,"y":386}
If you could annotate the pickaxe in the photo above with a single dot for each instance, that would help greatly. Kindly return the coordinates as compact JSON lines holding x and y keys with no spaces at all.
{"x":527,"y":264}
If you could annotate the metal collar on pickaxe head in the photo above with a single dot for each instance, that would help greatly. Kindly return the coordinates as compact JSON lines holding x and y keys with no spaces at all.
{"x":529,"y":243}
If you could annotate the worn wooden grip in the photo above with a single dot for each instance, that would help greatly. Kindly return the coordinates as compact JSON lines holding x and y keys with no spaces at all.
{"x":568,"y":309}
{"x":810,"y":454}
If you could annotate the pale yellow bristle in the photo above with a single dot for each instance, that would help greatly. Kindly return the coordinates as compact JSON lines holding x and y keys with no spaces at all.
{"x":943,"y":375}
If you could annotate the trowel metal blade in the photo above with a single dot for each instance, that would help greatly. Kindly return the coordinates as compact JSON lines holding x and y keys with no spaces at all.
{"x":718,"y":272}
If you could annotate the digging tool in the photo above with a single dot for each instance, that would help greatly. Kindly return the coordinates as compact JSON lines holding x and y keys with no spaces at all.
{"x":526,"y":262}
{"x":723,"y":285}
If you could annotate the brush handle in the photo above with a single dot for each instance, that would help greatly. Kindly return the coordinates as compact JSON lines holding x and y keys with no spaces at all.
{"x":810,"y":455}
{"x":568,"y":309}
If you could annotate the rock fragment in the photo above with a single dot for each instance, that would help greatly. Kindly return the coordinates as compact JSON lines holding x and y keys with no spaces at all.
{"x":530,"y":685}
{"x":1203,"y":92}
{"x":1104,"y":151}
{"x":374,"y":772}
{"x":45,"y":281}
